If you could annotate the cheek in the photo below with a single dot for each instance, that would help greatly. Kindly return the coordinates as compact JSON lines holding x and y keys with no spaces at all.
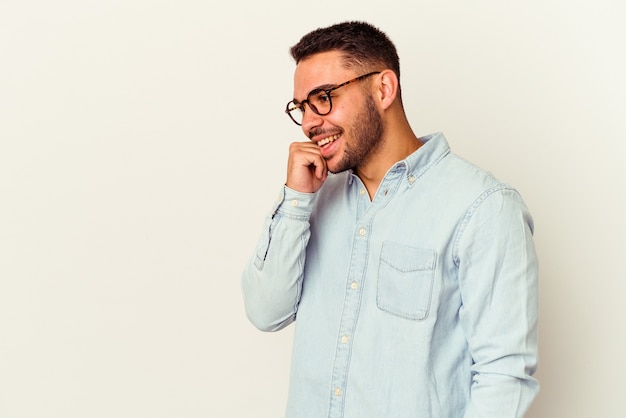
{"x":340,"y":117}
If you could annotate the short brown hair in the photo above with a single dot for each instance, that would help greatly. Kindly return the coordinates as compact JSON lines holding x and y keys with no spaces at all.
{"x":362,"y":44}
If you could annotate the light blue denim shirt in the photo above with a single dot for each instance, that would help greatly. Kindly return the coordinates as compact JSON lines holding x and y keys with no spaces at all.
{"x":419,"y":303}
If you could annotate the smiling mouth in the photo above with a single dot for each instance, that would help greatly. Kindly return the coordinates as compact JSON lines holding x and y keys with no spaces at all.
{"x":327,"y":140}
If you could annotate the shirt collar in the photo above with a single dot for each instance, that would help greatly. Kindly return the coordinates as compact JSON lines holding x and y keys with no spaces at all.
{"x":434,"y":148}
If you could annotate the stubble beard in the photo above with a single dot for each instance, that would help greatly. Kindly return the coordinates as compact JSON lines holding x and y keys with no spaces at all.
{"x":367,"y":133}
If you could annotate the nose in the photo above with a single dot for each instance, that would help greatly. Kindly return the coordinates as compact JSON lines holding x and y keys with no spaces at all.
{"x":310,"y":120}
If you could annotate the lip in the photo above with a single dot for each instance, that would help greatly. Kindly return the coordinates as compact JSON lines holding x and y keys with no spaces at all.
{"x":328,"y":149}
{"x":327,"y":144}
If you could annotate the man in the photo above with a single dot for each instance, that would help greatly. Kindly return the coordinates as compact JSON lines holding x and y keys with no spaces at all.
{"x":410,"y":273}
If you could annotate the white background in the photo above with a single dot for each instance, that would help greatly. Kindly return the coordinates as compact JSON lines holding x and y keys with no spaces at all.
{"x":142,"y":142}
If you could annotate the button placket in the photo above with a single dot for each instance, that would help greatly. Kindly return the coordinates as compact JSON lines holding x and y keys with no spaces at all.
{"x":365,"y":212}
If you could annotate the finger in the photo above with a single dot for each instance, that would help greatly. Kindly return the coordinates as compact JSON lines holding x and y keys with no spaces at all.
{"x":321,"y":169}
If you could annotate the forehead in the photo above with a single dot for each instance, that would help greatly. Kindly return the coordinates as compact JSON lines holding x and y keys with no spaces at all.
{"x":319,"y":70}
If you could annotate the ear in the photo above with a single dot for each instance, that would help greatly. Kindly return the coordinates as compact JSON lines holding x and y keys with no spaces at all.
{"x":387,"y":88}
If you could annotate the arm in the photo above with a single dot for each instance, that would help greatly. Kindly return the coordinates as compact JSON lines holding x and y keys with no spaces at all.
{"x":498,"y":282}
{"x":272,"y":280}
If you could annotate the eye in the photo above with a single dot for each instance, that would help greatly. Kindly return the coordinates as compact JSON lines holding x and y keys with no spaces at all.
{"x":324,"y":97}
{"x":319,"y":97}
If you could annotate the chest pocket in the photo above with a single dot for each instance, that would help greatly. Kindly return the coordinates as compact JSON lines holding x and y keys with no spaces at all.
{"x":405,"y":280}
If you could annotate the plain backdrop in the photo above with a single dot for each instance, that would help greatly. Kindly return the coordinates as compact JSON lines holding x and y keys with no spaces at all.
{"x":142,"y":142}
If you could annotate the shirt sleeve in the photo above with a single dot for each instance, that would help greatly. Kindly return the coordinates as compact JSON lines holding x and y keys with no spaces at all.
{"x":272,"y":280}
{"x":498,"y":276}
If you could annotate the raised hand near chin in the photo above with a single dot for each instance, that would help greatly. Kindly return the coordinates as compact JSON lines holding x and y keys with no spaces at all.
{"x":306,"y":168}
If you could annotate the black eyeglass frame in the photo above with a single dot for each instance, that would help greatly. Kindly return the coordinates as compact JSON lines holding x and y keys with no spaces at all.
{"x":294,"y":105}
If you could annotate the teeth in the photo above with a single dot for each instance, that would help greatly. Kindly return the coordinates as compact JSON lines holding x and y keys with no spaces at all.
{"x":327,"y":140}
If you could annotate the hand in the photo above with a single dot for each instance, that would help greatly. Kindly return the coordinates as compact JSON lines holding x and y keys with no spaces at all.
{"x":306,"y":168}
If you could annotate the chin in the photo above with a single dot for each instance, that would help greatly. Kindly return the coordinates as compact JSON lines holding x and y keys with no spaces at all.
{"x":331,"y":165}
{"x":336,"y":169}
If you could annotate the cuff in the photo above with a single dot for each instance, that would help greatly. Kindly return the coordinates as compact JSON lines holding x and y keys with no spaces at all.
{"x":293,"y":203}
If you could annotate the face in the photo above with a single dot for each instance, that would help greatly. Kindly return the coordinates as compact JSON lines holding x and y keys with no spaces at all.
{"x":350,"y":135}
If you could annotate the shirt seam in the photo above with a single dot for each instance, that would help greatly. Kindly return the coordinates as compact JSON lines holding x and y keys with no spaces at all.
{"x":469,"y":213}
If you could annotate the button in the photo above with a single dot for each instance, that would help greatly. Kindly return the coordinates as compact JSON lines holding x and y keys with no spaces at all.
{"x":362,"y":231}
{"x":294,"y":203}
{"x":338,"y":391}
{"x":362,"y":192}
{"x":354,"y":285}
{"x":412,"y":179}
{"x":344,"y":339}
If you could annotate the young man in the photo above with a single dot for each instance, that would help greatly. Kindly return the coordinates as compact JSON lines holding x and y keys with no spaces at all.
{"x":410,"y":273}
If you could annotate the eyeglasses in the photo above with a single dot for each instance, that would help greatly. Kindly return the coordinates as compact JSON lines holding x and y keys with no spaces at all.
{"x":318,"y":101}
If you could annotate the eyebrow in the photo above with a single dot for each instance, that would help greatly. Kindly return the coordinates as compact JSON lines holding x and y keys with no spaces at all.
{"x":318,"y":88}
{"x":324,"y":87}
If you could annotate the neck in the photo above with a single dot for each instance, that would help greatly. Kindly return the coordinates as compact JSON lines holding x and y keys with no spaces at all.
{"x":395,"y":146}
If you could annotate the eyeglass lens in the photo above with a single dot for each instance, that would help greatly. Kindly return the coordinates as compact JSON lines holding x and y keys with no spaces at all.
{"x":318,"y":101}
